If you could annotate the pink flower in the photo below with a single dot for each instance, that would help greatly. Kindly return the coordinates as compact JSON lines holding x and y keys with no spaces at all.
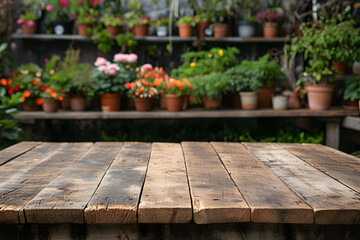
{"x":112,"y":72}
{"x":120,"y":57}
{"x":49,"y":8}
{"x":146,"y":67}
{"x":30,"y":24}
{"x":63,"y":3}
{"x":132,"y":58}
{"x":20,"y":21}
{"x":100,"y":61}
{"x":102,"y":68}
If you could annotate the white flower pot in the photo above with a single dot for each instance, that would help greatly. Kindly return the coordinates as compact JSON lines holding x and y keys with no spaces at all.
{"x":162,"y":31}
{"x":246,"y":29}
{"x":249,"y":100}
{"x":280,"y":102}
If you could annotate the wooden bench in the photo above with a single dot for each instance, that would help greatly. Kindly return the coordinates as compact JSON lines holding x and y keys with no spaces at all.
{"x":331,"y":117}
{"x":192,"y":190}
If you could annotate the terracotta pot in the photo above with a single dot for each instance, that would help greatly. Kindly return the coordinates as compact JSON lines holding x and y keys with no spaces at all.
{"x":144,"y":104}
{"x":110,"y":102}
{"x":185,"y":30}
{"x":200,"y":27}
{"x":341,"y":68}
{"x":249,"y":100}
{"x":113,"y":31}
{"x":65,"y":103}
{"x":140,"y":30}
{"x":82,"y":29}
{"x":319,"y":96}
{"x":294,"y":101}
{"x":236,"y":100}
{"x":174,"y":103}
{"x":28,"y":30}
{"x":265,"y":94}
{"x":221,"y":30}
{"x":270,"y":30}
{"x":210,"y":103}
{"x":32,"y":107}
{"x":78,"y":103}
{"x":162,"y":101}
{"x":50,"y":105}
{"x":352,"y":105}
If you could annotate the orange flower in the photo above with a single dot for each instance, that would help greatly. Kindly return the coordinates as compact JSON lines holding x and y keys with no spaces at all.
{"x":157,"y":81}
{"x":49,"y":90}
{"x":141,"y":96}
{"x":52,"y":71}
{"x":168,"y":84}
{"x":9,"y":81}
{"x":53,"y":94}
{"x":23,"y":99}
{"x":60,"y":98}
{"x":36,"y":81}
{"x":39,"y":101}
{"x":27,"y":93}
{"x":3,"y":82}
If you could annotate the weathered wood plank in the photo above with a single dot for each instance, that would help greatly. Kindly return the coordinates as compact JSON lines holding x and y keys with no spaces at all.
{"x":337,"y":170}
{"x":165,"y":197}
{"x":117,"y":197}
{"x":17,"y":191}
{"x":16,"y":150}
{"x":333,"y":203}
{"x":65,"y":198}
{"x":214,"y":195}
{"x":26,"y":161}
{"x":270,"y":200}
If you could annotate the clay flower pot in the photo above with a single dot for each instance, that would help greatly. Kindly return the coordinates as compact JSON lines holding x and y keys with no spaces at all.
{"x":50,"y":105}
{"x":200,"y":27}
{"x":221,"y":30}
{"x":65,"y":103}
{"x":265,"y":94}
{"x":185,"y":30}
{"x":162,"y":101}
{"x":110,"y":102}
{"x":210,"y":103}
{"x":113,"y":31}
{"x":144,"y":104}
{"x":174,"y":103}
{"x":270,"y":30}
{"x":78,"y":103}
{"x":82,"y":29}
{"x":32,"y":107}
{"x":249,"y":100}
{"x":141,"y":30}
{"x":351,"y":105}
{"x":319,"y":96}
{"x":29,"y":30}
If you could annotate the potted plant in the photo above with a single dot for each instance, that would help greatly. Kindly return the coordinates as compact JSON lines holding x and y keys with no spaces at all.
{"x":137,"y":21}
{"x":112,"y":24}
{"x":50,"y":99}
{"x":352,"y":92}
{"x":60,"y":16}
{"x":270,"y":19}
{"x":246,"y":27}
{"x":162,"y":26}
{"x":112,"y":16}
{"x":175,"y":91}
{"x":143,"y":90}
{"x":246,"y":79}
{"x":203,"y":21}
{"x":185,"y":25}
{"x":109,"y":79}
{"x":86,"y":15}
{"x":221,"y":28}
{"x":211,"y":88}
{"x":28,"y":81}
{"x":27,"y":22}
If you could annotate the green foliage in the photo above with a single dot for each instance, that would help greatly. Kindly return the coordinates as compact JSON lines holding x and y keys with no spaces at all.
{"x":28,"y":16}
{"x":82,"y":82}
{"x":9,"y":130}
{"x":205,"y":62}
{"x":247,"y":6}
{"x":103,"y":41}
{"x":126,"y":40}
{"x":58,"y":12}
{"x":136,"y":14}
{"x":212,"y":85}
{"x":186,"y":20}
{"x":112,"y":21}
{"x":6,"y":60}
{"x":352,"y":88}
{"x":211,"y":9}
{"x":85,"y":14}
{"x":164,"y":21}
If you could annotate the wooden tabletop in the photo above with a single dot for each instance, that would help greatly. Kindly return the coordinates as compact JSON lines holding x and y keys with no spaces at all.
{"x":191,"y":113}
{"x":131,"y":182}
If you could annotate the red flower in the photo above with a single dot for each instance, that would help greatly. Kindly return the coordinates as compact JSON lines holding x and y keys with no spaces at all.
{"x":26,"y":93}
{"x":17,"y":88}
{"x":39,"y":101}
{"x":63,"y":3}
{"x":11,"y":91}
{"x":42,"y":87}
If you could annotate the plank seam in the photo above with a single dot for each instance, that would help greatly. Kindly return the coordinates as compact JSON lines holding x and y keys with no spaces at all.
{"x":39,"y":143}
{"x":83,"y":213}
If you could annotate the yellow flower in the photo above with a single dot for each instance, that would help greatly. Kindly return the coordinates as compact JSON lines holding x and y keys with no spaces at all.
{"x":209,"y":55}
{"x":221,"y":52}
{"x":192,"y":64}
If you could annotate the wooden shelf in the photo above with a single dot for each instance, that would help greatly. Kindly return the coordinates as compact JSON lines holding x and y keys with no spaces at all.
{"x":191,"y":113}
{"x":73,"y":37}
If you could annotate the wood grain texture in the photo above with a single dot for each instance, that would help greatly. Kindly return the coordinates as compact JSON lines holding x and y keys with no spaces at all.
{"x":16,"y":150}
{"x":333,"y":203}
{"x":191,"y":113}
{"x":214,"y":195}
{"x":270,"y":200}
{"x":165,"y":197}
{"x":117,"y":197}
{"x":65,"y":198}
{"x":328,"y":165}
{"x":21,"y":188}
